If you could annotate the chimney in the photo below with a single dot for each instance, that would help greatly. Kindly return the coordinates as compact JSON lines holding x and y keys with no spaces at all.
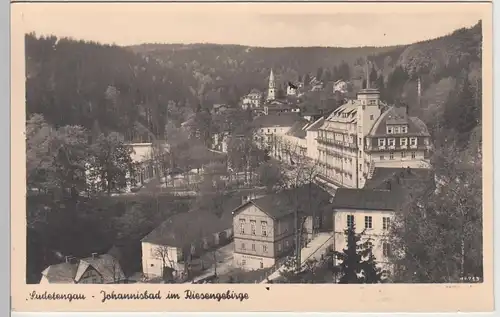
{"x":94,"y":254}
{"x":67,"y":259}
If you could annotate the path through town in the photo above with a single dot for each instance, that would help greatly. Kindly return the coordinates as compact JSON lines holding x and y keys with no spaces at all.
{"x":313,"y":250}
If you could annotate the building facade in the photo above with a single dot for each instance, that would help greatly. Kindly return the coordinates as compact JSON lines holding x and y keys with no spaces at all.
{"x":371,"y":212}
{"x":259,"y":238}
{"x":252,"y":101}
{"x":366,"y":133}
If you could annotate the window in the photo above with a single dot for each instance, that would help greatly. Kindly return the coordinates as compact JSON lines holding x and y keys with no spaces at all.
{"x":371,"y":117}
{"x":391,"y":155}
{"x":243,"y":246}
{"x":350,"y":221}
{"x":382,"y":157}
{"x":403,"y":141}
{"x":263,"y":225}
{"x":268,"y":130}
{"x":413,"y":141}
{"x":386,"y":223}
{"x":413,"y":155}
{"x":386,"y":249}
{"x":274,"y":130}
{"x":360,"y":167}
{"x":368,"y":222}
{"x":404,"y":129}
{"x":252,"y":226}
{"x":253,"y":246}
{"x":264,"y":248}
{"x":242,"y":226}
{"x":372,"y":102}
{"x":381,"y":142}
{"x":359,"y":141}
{"x":389,"y":130}
{"x":261,"y":265}
{"x":391,"y":142}
{"x":396,"y":130}
{"x":403,"y":154}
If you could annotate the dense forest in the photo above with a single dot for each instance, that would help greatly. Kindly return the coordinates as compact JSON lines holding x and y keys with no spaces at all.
{"x":78,"y":93}
{"x":136,"y":90}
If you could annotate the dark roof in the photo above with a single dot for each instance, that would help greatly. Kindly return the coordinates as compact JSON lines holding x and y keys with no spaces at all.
{"x":398,"y":177}
{"x":398,"y":115}
{"x":304,"y":199}
{"x":366,"y":199}
{"x":61,"y":273}
{"x":316,"y":125}
{"x":297,"y":129}
{"x":276,"y":120}
{"x":292,"y":85}
{"x":184,"y":228}
{"x":106,"y":265}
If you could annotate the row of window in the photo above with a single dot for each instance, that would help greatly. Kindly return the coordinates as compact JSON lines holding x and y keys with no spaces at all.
{"x":386,"y":222}
{"x":264,"y":247}
{"x":392,"y":129}
{"x":253,"y":224}
{"x":392,"y":142}
{"x":403,"y":155}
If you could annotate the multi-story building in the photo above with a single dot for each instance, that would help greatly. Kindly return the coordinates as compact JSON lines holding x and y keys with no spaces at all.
{"x":264,"y":228}
{"x":372,"y":209}
{"x":252,"y":101}
{"x":366,"y":133}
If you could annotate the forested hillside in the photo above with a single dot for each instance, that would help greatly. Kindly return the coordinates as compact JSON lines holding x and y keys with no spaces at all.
{"x":83,"y":83}
{"x":134,"y":90}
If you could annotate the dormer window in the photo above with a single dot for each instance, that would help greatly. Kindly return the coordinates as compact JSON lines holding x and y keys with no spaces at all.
{"x":396,"y":130}
{"x":404,"y":129}
{"x":381,"y":142}
{"x":391,"y":142}
{"x":389,"y":129}
{"x":403,"y":141}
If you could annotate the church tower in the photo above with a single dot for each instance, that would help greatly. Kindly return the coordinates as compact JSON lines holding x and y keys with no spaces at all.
{"x":271,"y":91}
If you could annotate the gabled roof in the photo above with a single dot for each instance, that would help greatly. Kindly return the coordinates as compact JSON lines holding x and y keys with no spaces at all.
{"x":106,"y":265}
{"x":185,"y":228}
{"x":366,"y":199}
{"x":63,"y":273}
{"x":397,"y":177}
{"x":303,"y":199}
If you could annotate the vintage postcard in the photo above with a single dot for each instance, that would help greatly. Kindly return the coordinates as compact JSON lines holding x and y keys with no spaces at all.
{"x":252,"y":157}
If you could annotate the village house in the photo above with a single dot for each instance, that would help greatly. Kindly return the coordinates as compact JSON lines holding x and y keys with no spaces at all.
{"x":340,"y":86}
{"x":176,"y":245}
{"x":366,"y":133}
{"x":372,"y":209}
{"x":252,"y":101}
{"x":270,"y":128}
{"x":264,"y":227}
{"x":97,"y":269}
{"x":145,"y":168}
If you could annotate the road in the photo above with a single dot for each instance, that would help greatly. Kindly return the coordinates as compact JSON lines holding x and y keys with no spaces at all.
{"x":313,"y":250}
{"x":224,"y":256}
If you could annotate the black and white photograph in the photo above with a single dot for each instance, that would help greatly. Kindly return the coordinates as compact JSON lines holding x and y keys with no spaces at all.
{"x":260,"y":147}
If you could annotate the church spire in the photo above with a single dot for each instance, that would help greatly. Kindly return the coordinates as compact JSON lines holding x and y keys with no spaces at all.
{"x":271,"y":92}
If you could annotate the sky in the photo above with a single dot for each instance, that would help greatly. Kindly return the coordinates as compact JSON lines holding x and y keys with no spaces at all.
{"x":268,"y":25}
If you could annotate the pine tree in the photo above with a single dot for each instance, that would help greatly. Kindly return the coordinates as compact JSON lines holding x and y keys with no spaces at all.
{"x":358,"y":264}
